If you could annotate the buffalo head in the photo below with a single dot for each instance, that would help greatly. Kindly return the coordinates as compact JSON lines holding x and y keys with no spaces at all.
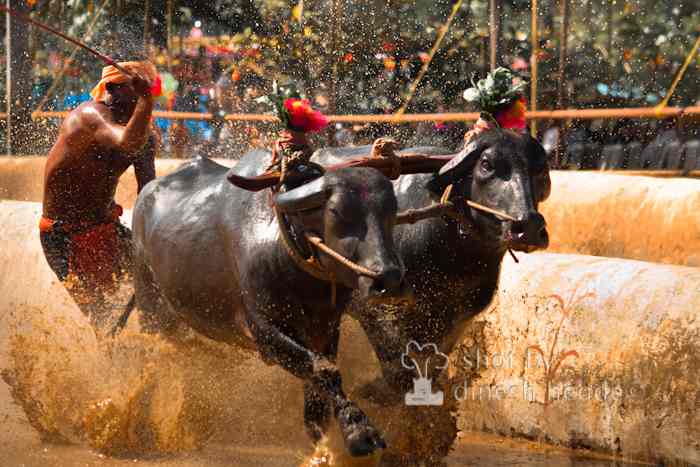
{"x":354,"y":212}
{"x":506,"y":171}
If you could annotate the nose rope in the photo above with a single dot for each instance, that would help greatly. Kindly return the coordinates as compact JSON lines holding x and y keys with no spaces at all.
{"x":361,"y":270}
{"x":474,"y":205}
{"x":411,"y":216}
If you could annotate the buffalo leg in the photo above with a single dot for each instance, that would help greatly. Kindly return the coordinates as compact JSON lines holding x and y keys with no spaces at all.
{"x":317,"y":412}
{"x":389,"y":344}
{"x":424,"y":434}
{"x":359,"y":436}
{"x":154,"y":314}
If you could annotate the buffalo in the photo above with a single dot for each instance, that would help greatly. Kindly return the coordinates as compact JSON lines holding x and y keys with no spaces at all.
{"x":215,"y":257}
{"x":452,"y":261}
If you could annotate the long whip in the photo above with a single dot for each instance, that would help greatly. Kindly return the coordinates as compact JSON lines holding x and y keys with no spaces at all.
{"x":45,"y":27}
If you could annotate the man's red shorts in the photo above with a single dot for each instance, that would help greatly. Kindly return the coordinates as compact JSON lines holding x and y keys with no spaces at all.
{"x":94,"y":253}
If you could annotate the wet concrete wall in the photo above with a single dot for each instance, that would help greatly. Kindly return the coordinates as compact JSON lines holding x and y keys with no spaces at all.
{"x":635,"y":217}
{"x":588,"y":352}
{"x":22,"y":178}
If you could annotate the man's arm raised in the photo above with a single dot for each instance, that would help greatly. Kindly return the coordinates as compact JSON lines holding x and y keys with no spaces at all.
{"x":131,"y":138}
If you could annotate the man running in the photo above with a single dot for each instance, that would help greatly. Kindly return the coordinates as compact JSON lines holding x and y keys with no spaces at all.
{"x":83,"y":241}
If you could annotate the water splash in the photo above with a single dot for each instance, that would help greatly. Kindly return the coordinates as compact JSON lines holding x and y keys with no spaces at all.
{"x":138,"y":394}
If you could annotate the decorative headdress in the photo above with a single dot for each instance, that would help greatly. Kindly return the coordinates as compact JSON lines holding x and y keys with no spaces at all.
{"x":500,"y":99}
{"x":298,"y":117}
{"x":294,"y":111}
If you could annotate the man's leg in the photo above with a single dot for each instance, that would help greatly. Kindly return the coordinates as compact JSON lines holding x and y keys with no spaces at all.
{"x":56,"y":246}
{"x":57,"y":250}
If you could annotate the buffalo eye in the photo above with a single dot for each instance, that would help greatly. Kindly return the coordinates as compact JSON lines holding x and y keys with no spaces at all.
{"x":486,"y":166}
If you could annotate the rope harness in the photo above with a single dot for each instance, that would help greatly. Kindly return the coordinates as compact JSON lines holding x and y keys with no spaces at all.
{"x":292,"y":149}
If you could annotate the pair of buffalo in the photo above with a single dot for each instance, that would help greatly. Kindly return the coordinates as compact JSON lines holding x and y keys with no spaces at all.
{"x":211,"y":255}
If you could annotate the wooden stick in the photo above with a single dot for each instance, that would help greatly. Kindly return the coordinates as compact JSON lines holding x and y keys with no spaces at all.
{"x":411,"y":216}
{"x":43,"y":26}
{"x":64,"y":65}
{"x":342,"y":259}
{"x":533,"y":66}
{"x":424,"y":69}
{"x":496,"y":213}
{"x":515,"y":258}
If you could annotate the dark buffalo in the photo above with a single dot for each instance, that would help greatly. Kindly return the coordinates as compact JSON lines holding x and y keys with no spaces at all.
{"x":453,"y":262}
{"x":210,"y":254}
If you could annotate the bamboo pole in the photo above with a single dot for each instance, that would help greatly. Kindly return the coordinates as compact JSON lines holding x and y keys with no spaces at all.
{"x":26,"y":18}
{"x":433,"y":50}
{"x":169,"y":43}
{"x":146,"y":25}
{"x":609,"y":17}
{"x":8,"y":82}
{"x":564,"y":114}
{"x":563,"y":53}
{"x":562,"y":86}
{"x":680,"y":73}
{"x":495,"y":10}
{"x":533,"y":66}
{"x":336,"y":13}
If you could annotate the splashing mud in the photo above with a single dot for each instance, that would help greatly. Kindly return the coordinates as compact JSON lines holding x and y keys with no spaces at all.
{"x":137,"y":394}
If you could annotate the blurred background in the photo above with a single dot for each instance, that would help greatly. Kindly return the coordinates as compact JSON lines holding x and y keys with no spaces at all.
{"x":364,"y":57}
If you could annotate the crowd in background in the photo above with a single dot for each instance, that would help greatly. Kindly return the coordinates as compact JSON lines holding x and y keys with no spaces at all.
{"x":224,"y":81}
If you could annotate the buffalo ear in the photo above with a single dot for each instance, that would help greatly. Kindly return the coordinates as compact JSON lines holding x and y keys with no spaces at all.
{"x":311,"y":195}
{"x":457,"y":167}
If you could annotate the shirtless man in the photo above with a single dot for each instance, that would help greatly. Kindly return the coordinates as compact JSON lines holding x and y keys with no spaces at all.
{"x":83,"y":241}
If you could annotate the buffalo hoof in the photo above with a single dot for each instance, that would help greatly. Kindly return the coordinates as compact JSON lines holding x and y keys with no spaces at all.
{"x":360,"y":437}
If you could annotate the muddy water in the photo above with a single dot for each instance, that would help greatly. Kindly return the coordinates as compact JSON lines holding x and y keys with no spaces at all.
{"x":69,"y":401}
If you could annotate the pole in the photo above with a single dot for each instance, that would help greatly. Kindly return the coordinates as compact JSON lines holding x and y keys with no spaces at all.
{"x":533,"y":65}
{"x":563,"y":55}
{"x":146,"y":25}
{"x":610,"y":39}
{"x":562,"y":86}
{"x":169,"y":43}
{"x":336,"y":13}
{"x":8,"y":82}
{"x":494,"y":31}
{"x":442,"y":32}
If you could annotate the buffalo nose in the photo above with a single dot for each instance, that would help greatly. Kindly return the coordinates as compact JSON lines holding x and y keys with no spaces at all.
{"x":531,"y":230}
{"x":389,"y":283}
